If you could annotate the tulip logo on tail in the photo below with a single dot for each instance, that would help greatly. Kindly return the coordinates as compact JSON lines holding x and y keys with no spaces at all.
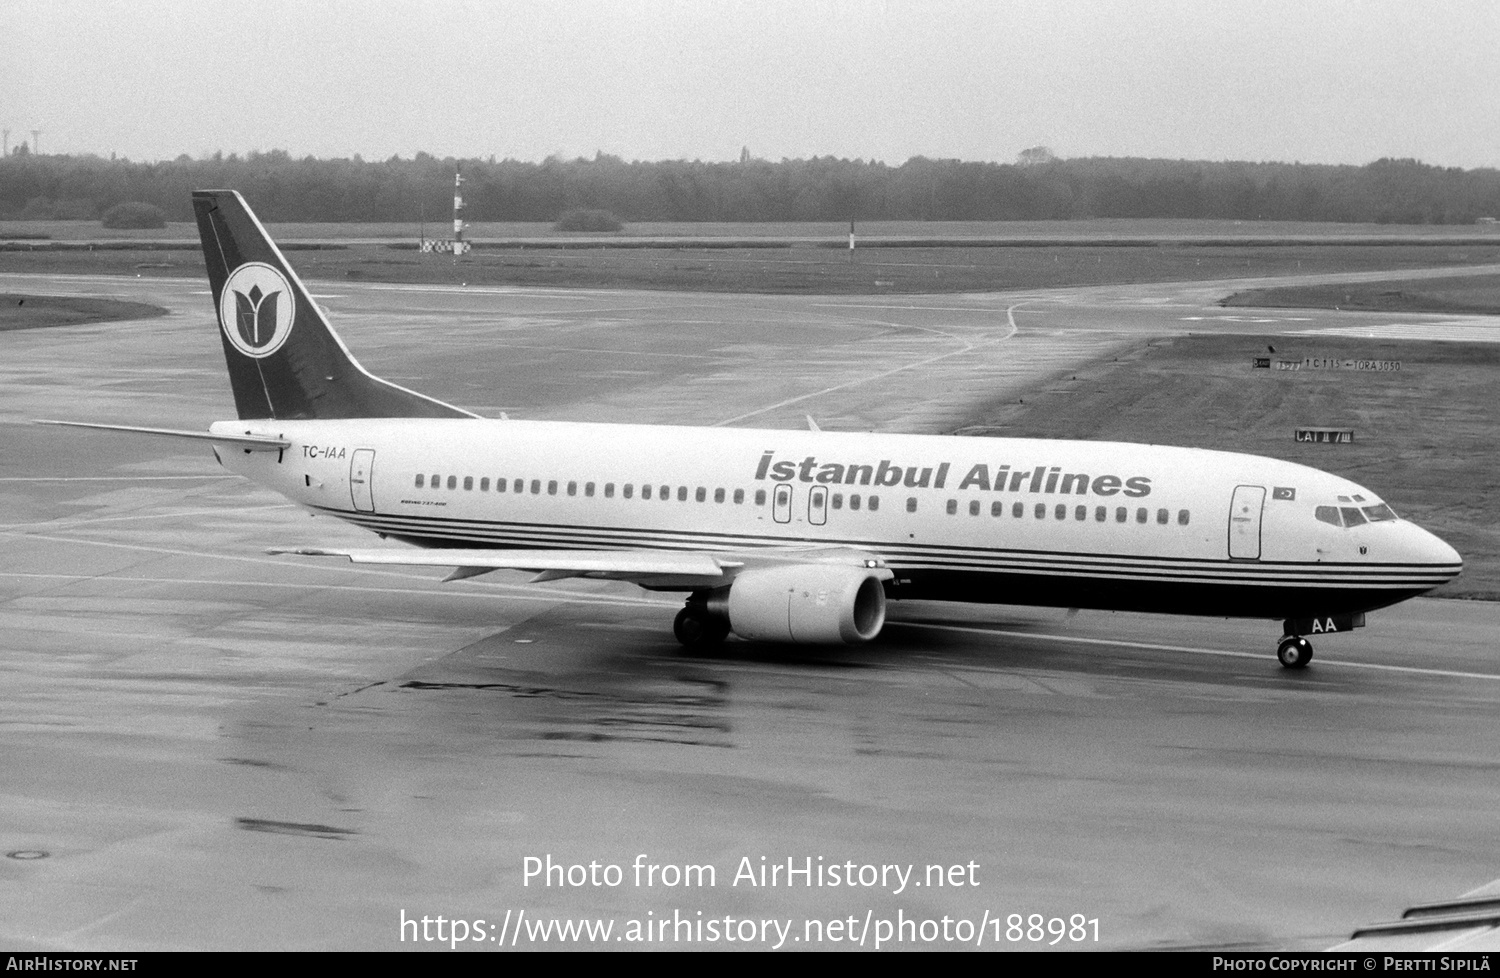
{"x":256,"y":309}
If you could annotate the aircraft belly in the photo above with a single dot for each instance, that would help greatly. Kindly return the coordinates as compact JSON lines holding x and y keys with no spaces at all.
{"x":1222,"y":598}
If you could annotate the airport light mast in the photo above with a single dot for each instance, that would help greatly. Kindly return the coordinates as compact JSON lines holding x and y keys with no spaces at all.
{"x":460,"y":246}
{"x":457,"y":245}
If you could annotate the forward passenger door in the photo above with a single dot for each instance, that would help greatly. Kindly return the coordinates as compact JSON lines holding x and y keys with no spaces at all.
{"x":1244,"y":522}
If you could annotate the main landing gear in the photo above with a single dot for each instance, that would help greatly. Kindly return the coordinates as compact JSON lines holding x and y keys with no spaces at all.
{"x":1294,"y":652}
{"x":699,"y":631}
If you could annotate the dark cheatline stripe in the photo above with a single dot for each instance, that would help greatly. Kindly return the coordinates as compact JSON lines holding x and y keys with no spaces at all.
{"x":913,"y":558}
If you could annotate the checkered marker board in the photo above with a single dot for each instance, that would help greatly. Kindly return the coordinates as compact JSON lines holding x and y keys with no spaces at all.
{"x":446,"y":247}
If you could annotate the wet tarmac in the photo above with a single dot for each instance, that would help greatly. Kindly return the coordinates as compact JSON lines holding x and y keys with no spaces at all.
{"x":207,"y":747}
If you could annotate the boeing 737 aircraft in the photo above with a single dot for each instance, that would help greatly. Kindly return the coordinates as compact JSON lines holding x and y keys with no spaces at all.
{"x":784,"y":536}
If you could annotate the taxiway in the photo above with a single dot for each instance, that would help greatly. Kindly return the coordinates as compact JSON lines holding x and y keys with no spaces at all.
{"x":207,"y":747}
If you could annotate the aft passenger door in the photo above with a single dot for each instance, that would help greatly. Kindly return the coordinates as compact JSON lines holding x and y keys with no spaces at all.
{"x":360,"y":487}
{"x":1244,"y":522}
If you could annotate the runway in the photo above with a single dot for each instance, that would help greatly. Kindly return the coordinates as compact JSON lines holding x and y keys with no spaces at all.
{"x":207,"y":747}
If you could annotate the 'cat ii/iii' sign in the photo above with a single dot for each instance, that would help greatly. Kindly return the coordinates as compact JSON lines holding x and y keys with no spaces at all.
{"x":1326,"y":436}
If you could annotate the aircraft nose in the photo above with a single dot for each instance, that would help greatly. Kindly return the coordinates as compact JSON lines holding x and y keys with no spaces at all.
{"x":1433,"y":551}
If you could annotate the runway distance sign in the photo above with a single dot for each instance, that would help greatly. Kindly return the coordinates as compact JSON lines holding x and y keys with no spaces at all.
{"x":1327,"y":363}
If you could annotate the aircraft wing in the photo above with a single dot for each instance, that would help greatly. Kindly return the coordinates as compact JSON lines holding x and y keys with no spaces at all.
{"x":649,"y":568}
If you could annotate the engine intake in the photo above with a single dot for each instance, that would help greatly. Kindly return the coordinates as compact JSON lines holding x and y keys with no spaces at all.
{"x":806,"y":603}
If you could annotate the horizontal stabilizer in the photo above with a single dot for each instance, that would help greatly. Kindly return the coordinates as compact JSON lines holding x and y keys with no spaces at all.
{"x":254,"y":443}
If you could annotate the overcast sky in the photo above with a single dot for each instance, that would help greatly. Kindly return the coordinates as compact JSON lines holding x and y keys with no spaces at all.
{"x":1310,"y":80}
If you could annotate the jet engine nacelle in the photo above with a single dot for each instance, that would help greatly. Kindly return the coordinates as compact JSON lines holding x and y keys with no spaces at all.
{"x":808,"y":603}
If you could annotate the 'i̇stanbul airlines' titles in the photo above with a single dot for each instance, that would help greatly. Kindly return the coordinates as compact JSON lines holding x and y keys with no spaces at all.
{"x":1002,"y":478}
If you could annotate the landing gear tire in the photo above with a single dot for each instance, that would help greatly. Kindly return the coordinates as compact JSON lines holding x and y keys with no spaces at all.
{"x":1294,"y":652}
{"x":699,"y":633}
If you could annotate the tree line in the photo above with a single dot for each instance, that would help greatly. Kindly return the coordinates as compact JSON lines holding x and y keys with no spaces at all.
{"x":1036,"y":187}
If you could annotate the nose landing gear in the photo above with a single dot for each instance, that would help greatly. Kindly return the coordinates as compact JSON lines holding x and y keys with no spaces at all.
{"x":1294,"y":652}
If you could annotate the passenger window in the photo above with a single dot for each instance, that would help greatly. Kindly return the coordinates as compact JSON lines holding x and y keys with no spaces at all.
{"x":838,"y":500}
{"x":854,"y":500}
{"x":739,"y":496}
{"x":952,"y":506}
{"x":1352,"y":516}
{"x":682,"y":494}
{"x":997,"y":508}
{"x":437,"y":481}
{"x":1182,"y":517}
{"x":1080,"y":512}
{"x":627,"y":490}
{"x":518,"y":486}
{"x":500,"y":485}
{"x":452,"y":482}
{"x":666,"y":493}
{"x":1018,"y":510}
{"x":572,"y":488}
{"x":609,"y":490}
{"x":701,"y":495}
{"x":911,"y":504}
{"x":1041,"y":511}
{"x":718,"y":495}
{"x":1061,"y":512}
{"x":646,"y":491}
{"x":468,"y":483}
{"x":873,"y":503}
{"x":484,"y":484}
{"x":588,"y":489}
{"x":760,"y":496}
{"x":1121,"y":514}
{"x":1140,"y":515}
{"x":419,"y":480}
{"x":1101,"y":514}
{"x":1376,"y":513}
{"x":551,"y":487}
{"x":1162,"y":516}
{"x":973,"y":507}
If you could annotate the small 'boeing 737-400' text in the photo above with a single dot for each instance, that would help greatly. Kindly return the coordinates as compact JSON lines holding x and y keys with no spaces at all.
{"x":784,"y":535}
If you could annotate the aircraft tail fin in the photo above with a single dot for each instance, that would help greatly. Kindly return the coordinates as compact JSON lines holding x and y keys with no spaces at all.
{"x":285,"y":361}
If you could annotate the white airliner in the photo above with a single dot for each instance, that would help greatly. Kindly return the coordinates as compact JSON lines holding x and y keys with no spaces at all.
{"x":784,"y":536}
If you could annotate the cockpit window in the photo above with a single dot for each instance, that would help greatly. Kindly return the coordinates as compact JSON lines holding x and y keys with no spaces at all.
{"x":1354,"y":515}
